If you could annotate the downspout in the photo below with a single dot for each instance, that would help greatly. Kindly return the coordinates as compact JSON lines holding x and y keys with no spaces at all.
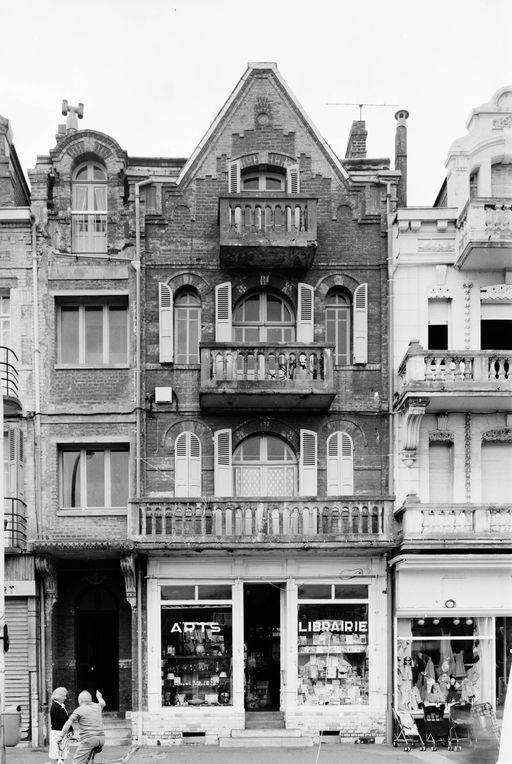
{"x":37,"y":470}
{"x":138,"y":430}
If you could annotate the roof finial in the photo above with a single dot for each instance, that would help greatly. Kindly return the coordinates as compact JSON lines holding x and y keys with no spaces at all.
{"x":72,"y":113}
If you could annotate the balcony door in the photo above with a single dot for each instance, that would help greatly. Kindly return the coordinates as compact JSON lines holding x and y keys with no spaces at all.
{"x":263,"y":317}
{"x":264,"y":466}
{"x":89,"y":211}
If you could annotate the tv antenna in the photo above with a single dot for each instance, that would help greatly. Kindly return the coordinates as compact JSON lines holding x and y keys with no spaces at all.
{"x":394,"y":105}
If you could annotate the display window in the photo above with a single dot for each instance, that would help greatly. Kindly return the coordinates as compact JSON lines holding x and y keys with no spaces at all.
{"x":196,"y":663}
{"x":440,"y":661}
{"x":332,"y":635}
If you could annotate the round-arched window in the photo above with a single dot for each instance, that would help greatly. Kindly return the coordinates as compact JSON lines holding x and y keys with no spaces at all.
{"x":264,"y":465}
{"x":89,"y":208}
{"x":263,"y":317}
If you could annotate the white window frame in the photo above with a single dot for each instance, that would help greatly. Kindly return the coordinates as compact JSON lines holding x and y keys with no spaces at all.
{"x":338,"y":308}
{"x":189,"y":310}
{"x":82,"y":449}
{"x":81,"y":306}
{"x":264,"y":466}
{"x":85,"y":220}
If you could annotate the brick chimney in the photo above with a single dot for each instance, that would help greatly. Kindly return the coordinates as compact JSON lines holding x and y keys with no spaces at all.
{"x":401,"y":155}
{"x":356,"y":146}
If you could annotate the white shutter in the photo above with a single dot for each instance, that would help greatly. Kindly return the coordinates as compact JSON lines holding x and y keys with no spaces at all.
{"x":223,"y":479}
{"x":165,"y":327}
{"x":292,"y":179}
{"x":340,"y":465}
{"x":440,"y":473}
{"x":223,"y":312}
{"x":234,"y":178}
{"x":308,"y":463}
{"x":496,"y":472}
{"x":361,"y":324}
{"x":14,"y":477}
{"x":347,"y":465}
{"x":305,"y":312}
{"x":187,"y":465}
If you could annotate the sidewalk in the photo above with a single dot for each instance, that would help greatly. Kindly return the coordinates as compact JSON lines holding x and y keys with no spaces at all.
{"x":347,"y":753}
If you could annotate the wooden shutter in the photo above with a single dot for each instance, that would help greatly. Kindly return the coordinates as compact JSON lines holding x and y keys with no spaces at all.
{"x":234,"y":178}
{"x":292,"y":179}
{"x":496,"y":473}
{"x":308,"y":463}
{"x":361,"y":324}
{"x":223,"y":312}
{"x":305,"y":312}
{"x":223,"y":478}
{"x":440,"y":473}
{"x":14,"y":459}
{"x":165,"y":323}
{"x":187,"y":465}
{"x":340,"y":465}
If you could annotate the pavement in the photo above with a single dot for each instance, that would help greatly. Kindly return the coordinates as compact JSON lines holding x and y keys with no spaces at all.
{"x":327,"y":753}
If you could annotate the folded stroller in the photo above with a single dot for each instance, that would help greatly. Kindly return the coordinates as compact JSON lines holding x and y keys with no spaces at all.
{"x":437,"y":728}
{"x":461,"y":725}
{"x":405,"y":731}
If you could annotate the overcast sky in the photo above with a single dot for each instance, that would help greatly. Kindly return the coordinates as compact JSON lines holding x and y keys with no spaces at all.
{"x":153,"y":74}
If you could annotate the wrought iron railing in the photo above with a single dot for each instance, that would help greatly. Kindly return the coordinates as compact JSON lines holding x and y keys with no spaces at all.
{"x":9,"y":372}
{"x":15,"y":523}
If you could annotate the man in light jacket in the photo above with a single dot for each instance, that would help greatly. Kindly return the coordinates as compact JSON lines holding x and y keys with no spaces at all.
{"x":87,"y":719}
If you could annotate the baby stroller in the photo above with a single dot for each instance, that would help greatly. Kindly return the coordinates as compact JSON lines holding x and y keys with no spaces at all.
{"x":484,"y":721}
{"x":461,"y":725}
{"x":437,"y":728}
{"x":406,"y":731}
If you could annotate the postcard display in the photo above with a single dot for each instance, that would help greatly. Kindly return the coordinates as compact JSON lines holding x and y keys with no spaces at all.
{"x":332,"y":654}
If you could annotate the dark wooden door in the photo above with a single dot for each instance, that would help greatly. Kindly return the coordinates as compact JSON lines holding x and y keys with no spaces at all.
{"x":97,"y":651}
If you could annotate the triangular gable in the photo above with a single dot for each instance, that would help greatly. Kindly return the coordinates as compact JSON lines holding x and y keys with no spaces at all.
{"x":232,"y":100}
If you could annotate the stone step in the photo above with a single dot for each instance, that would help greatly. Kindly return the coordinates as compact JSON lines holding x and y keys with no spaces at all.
{"x":265,"y":733}
{"x":279,"y":741}
{"x":118,"y":734}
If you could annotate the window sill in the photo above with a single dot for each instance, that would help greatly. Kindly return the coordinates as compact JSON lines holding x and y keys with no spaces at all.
{"x":97,"y":512}
{"x":186,"y":366}
{"x":90,"y":367}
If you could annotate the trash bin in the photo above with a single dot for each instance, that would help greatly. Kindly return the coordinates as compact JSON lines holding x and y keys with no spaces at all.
{"x":12,"y":725}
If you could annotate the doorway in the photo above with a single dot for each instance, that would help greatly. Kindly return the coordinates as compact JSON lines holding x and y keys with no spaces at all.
{"x":262,"y":646}
{"x":97,"y":645}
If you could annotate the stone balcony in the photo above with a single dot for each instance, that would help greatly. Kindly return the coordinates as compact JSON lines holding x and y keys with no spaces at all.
{"x":267,"y":231}
{"x":15,"y":525}
{"x":267,"y":376}
{"x":9,"y":379}
{"x":485,"y":235}
{"x":251,"y":524}
{"x":475,"y":525}
{"x":451,"y":380}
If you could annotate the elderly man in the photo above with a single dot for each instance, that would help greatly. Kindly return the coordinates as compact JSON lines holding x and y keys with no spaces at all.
{"x":88,"y":721}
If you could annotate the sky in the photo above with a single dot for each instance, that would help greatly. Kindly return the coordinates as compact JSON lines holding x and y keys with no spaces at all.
{"x":153,"y":74}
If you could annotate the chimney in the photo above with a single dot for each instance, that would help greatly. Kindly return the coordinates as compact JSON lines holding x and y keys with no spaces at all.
{"x":401,"y":155}
{"x":356,"y":146}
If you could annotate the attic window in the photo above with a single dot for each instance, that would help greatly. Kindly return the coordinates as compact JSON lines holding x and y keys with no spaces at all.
{"x":263,"y":180}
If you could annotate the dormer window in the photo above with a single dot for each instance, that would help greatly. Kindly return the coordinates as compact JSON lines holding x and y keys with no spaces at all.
{"x":89,"y":209}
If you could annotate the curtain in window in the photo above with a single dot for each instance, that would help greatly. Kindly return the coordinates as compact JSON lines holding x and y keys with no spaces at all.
{"x":79,"y":198}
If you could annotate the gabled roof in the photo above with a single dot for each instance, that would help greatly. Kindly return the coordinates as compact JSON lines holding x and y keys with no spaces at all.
{"x":242,"y":85}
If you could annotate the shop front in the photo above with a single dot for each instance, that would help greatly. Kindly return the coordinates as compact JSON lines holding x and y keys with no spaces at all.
{"x":453,"y":630}
{"x":305,"y":641}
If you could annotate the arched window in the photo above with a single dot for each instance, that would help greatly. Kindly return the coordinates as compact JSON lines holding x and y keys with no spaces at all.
{"x":337,"y":325}
{"x":264,"y":465}
{"x":89,"y":209}
{"x":340,"y":465}
{"x":187,"y":327}
{"x":187,"y":465}
{"x":263,"y":317}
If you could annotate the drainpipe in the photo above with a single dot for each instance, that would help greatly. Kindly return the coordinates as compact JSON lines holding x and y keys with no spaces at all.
{"x":138,"y":387}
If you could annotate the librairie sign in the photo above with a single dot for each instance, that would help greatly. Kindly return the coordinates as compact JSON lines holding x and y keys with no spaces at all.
{"x":184,"y":627}
{"x":333,"y":625}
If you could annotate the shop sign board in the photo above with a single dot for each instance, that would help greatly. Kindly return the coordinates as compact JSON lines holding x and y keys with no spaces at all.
{"x":338,"y":626}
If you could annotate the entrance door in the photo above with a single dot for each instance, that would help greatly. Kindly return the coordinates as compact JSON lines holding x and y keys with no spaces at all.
{"x":97,"y":645}
{"x":262,"y":638}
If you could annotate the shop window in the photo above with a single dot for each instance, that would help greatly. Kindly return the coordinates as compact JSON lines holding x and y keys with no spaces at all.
{"x":440,"y":473}
{"x":264,"y":465}
{"x":337,"y":326}
{"x":438,"y":324}
{"x":92,"y":332}
{"x":196,"y":645}
{"x":443,"y":660}
{"x":332,"y":646}
{"x":89,"y":209}
{"x":187,"y":465}
{"x":93,"y":476}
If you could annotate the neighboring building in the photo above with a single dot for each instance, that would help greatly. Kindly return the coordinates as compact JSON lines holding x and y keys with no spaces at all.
{"x":16,"y":375}
{"x":451,"y":347}
{"x":215,"y":514}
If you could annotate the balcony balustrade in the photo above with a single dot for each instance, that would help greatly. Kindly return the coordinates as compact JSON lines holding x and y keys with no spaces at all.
{"x":350,"y":522}
{"x":266,"y":376}
{"x":443,"y":375}
{"x":15,"y":524}
{"x":267,"y":232}
{"x":9,"y":379}
{"x":485,"y":235}
{"x":477,"y":524}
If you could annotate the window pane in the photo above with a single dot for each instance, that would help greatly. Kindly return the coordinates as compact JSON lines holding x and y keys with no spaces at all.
{"x":274,"y":312}
{"x":118,"y":334}
{"x":314,"y":592}
{"x":351,"y":592}
{"x":214,"y":592}
{"x":93,"y":335}
{"x":98,"y":173}
{"x":178,"y":593}
{"x":273,"y":184}
{"x":249,"y":451}
{"x":71,"y":479}
{"x":100,"y":198}
{"x":250,"y":184}
{"x":95,"y":477}
{"x":181,"y":335}
{"x":193,"y":349}
{"x":119,"y":479}
{"x":69,"y":343}
{"x":81,"y":174}
{"x":276,"y":449}
{"x":251,"y":308}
